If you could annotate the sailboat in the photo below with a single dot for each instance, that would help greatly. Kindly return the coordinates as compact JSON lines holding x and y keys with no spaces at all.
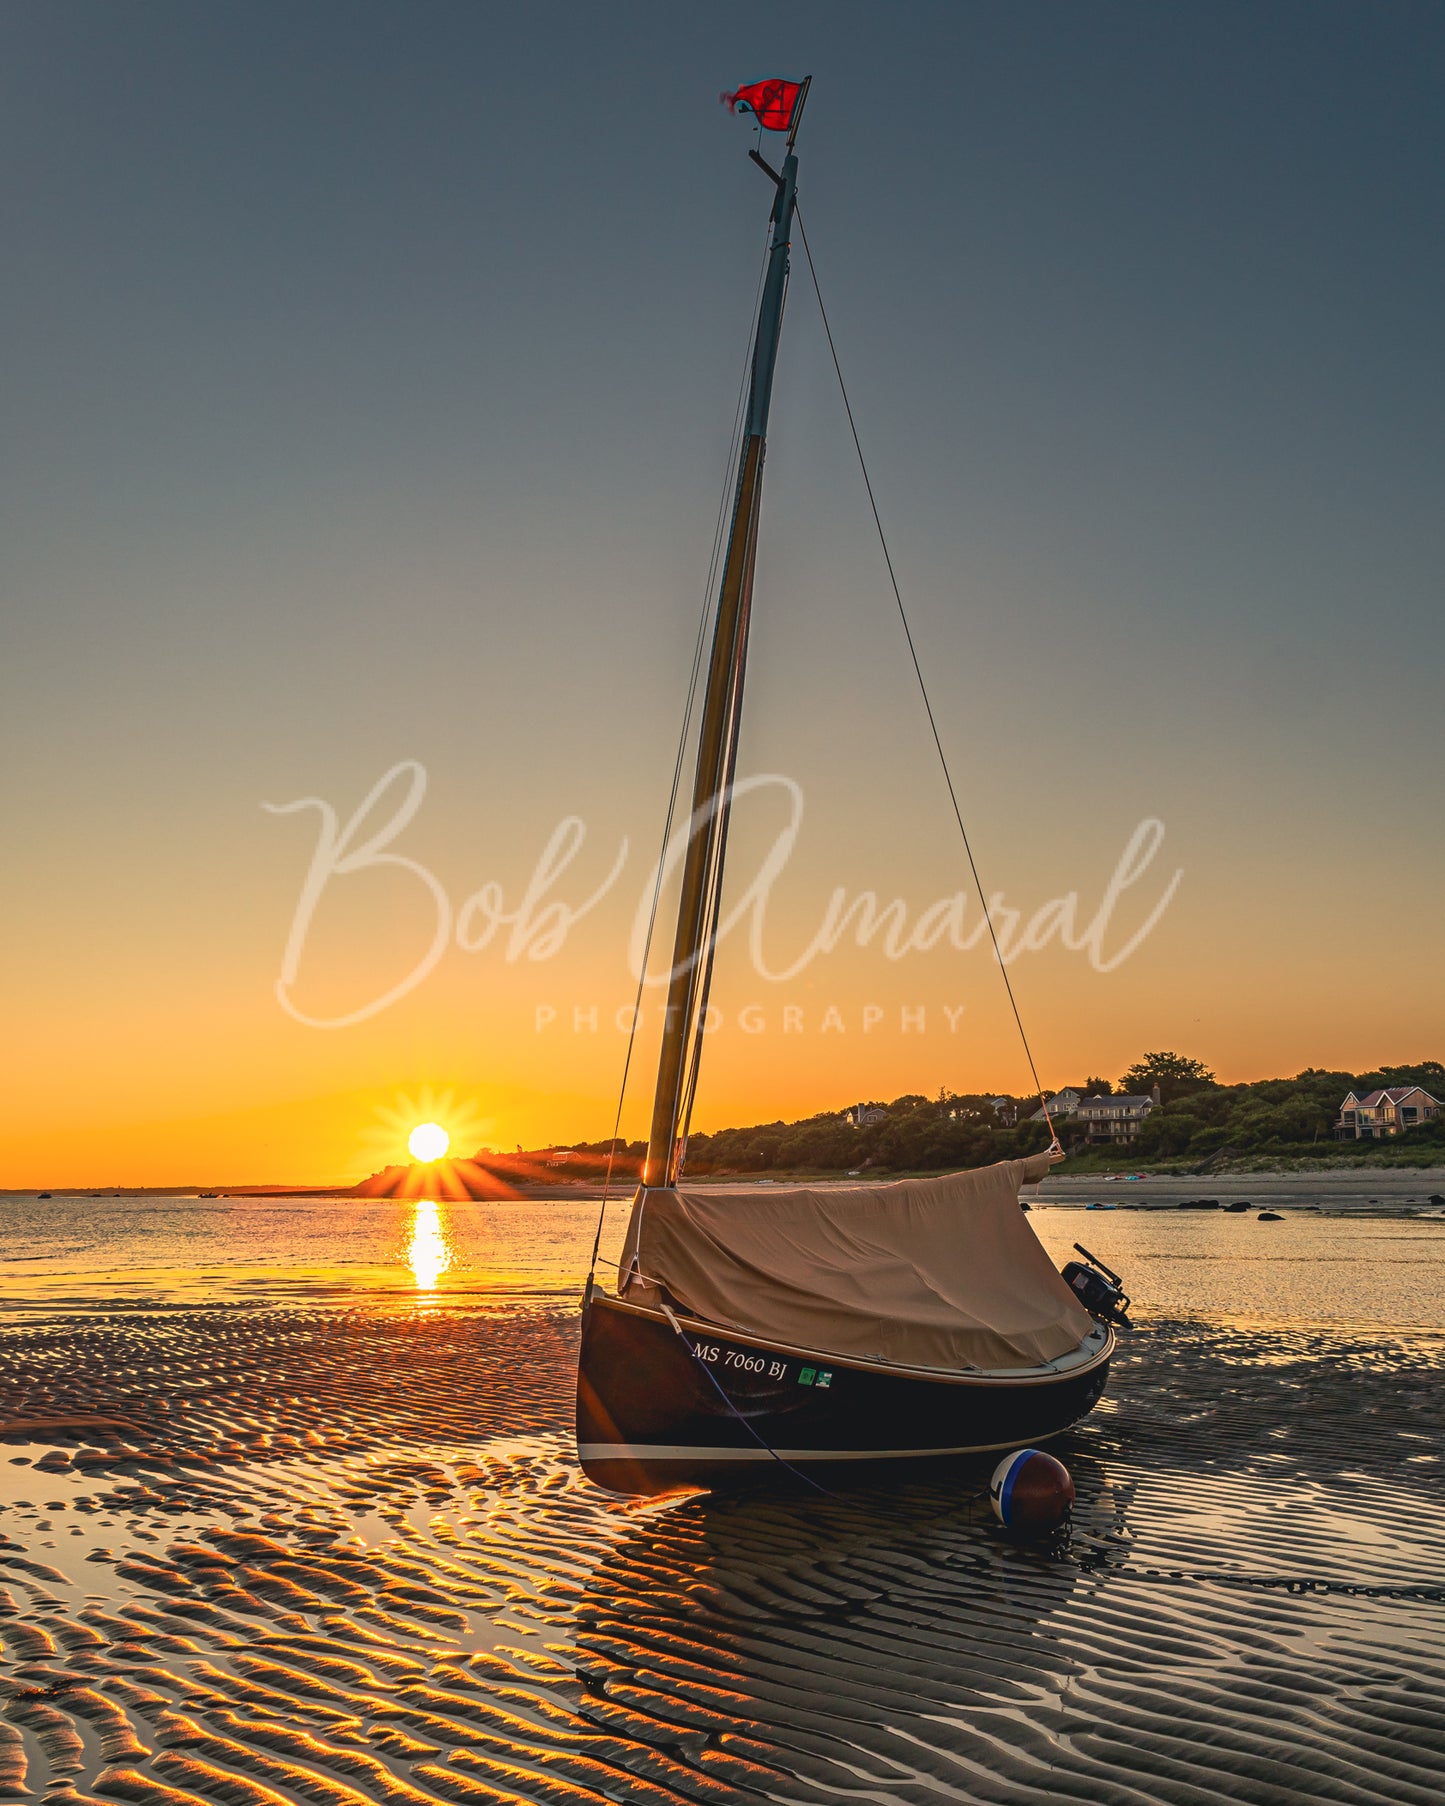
{"x":809,"y":1331}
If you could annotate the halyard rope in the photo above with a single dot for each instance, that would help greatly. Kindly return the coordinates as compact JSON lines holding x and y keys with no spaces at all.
{"x":923,"y":687}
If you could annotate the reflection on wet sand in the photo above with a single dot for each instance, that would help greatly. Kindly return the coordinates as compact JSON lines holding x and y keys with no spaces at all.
{"x":344,"y":1555}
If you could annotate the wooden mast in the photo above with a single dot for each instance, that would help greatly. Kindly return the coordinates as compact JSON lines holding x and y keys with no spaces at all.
{"x":722,"y":702}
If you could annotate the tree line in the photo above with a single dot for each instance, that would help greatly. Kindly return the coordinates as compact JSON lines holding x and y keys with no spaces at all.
{"x":1198,"y":1121}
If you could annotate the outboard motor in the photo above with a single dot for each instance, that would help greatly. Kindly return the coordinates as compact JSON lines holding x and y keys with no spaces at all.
{"x":1097,"y":1288}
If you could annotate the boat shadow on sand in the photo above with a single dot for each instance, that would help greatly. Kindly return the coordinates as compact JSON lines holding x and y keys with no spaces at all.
{"x":887,"y":1633}
{"x":1248,"y":1603}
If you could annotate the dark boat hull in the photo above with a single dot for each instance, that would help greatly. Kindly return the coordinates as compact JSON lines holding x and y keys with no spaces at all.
{"x":671,"y":1402}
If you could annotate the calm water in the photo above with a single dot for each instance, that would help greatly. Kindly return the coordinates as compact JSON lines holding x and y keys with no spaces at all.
{"x":108,"y":1251}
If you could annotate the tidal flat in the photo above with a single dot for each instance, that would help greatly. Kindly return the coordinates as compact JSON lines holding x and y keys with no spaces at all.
{"x":302,"y":1522}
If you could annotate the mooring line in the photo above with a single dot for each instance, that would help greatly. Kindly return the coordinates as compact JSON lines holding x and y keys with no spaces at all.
{"x":756,"y":1435}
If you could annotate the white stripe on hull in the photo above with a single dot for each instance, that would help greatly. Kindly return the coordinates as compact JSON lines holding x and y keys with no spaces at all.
{"x":664,"y":1451}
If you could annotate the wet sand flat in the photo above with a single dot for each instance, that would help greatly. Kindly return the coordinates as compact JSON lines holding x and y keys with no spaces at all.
{"x":343,"y":1554}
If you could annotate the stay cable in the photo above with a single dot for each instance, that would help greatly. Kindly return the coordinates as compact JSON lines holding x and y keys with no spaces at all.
{"x":918,"y":673}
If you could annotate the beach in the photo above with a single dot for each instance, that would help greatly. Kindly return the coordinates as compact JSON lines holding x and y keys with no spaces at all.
{"x":317,"y":1533}
{"x":1385,"y":1190}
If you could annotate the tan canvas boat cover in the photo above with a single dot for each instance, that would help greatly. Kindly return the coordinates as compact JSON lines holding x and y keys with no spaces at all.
{"x":942,"y":1272}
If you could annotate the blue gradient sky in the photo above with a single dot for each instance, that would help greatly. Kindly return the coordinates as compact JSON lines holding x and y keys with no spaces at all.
{"x":369,"y":373}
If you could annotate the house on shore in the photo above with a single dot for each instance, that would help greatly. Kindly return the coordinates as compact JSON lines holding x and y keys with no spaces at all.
{"x":863,"y":1116}
{"x":1116,"y":1119}
{"x":1392,"y":1111}
{"x":1062,"y":1105}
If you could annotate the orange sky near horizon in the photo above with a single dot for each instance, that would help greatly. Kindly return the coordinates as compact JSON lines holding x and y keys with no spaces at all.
{"x":152,"y":1046}
{"x":130,"y":1083}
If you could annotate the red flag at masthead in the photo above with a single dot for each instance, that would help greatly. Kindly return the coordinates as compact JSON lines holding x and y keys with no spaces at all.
{"x":772,"y":102}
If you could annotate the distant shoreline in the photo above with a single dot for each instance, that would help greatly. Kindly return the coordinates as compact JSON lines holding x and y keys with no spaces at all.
{"x":1334,"y":1185}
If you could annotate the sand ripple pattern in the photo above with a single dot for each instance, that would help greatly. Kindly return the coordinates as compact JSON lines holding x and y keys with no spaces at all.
{"x":259,"y":1558}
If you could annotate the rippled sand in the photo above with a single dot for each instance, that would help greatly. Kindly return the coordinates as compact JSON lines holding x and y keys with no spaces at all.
{"x":344,"y":1555}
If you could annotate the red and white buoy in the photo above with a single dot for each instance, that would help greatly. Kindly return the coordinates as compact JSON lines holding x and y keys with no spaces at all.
{"x":1031,"y":1492}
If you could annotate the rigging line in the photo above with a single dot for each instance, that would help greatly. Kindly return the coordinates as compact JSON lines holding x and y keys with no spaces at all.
{"x":647,"y":943}
{"x":683,"y":1128}
{"x":918,"y":673}
{"x":717,"y":543}
{"x":702,"y":976}
{"x":677,"y":770}
{"x":700,"y":969}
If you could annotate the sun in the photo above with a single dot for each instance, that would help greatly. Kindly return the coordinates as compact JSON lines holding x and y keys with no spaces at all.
{"x":388,"y":1138}
{"x":428,"y":1141}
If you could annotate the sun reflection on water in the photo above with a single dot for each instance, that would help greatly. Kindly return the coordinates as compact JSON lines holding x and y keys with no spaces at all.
{"x":427,"y":1253}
